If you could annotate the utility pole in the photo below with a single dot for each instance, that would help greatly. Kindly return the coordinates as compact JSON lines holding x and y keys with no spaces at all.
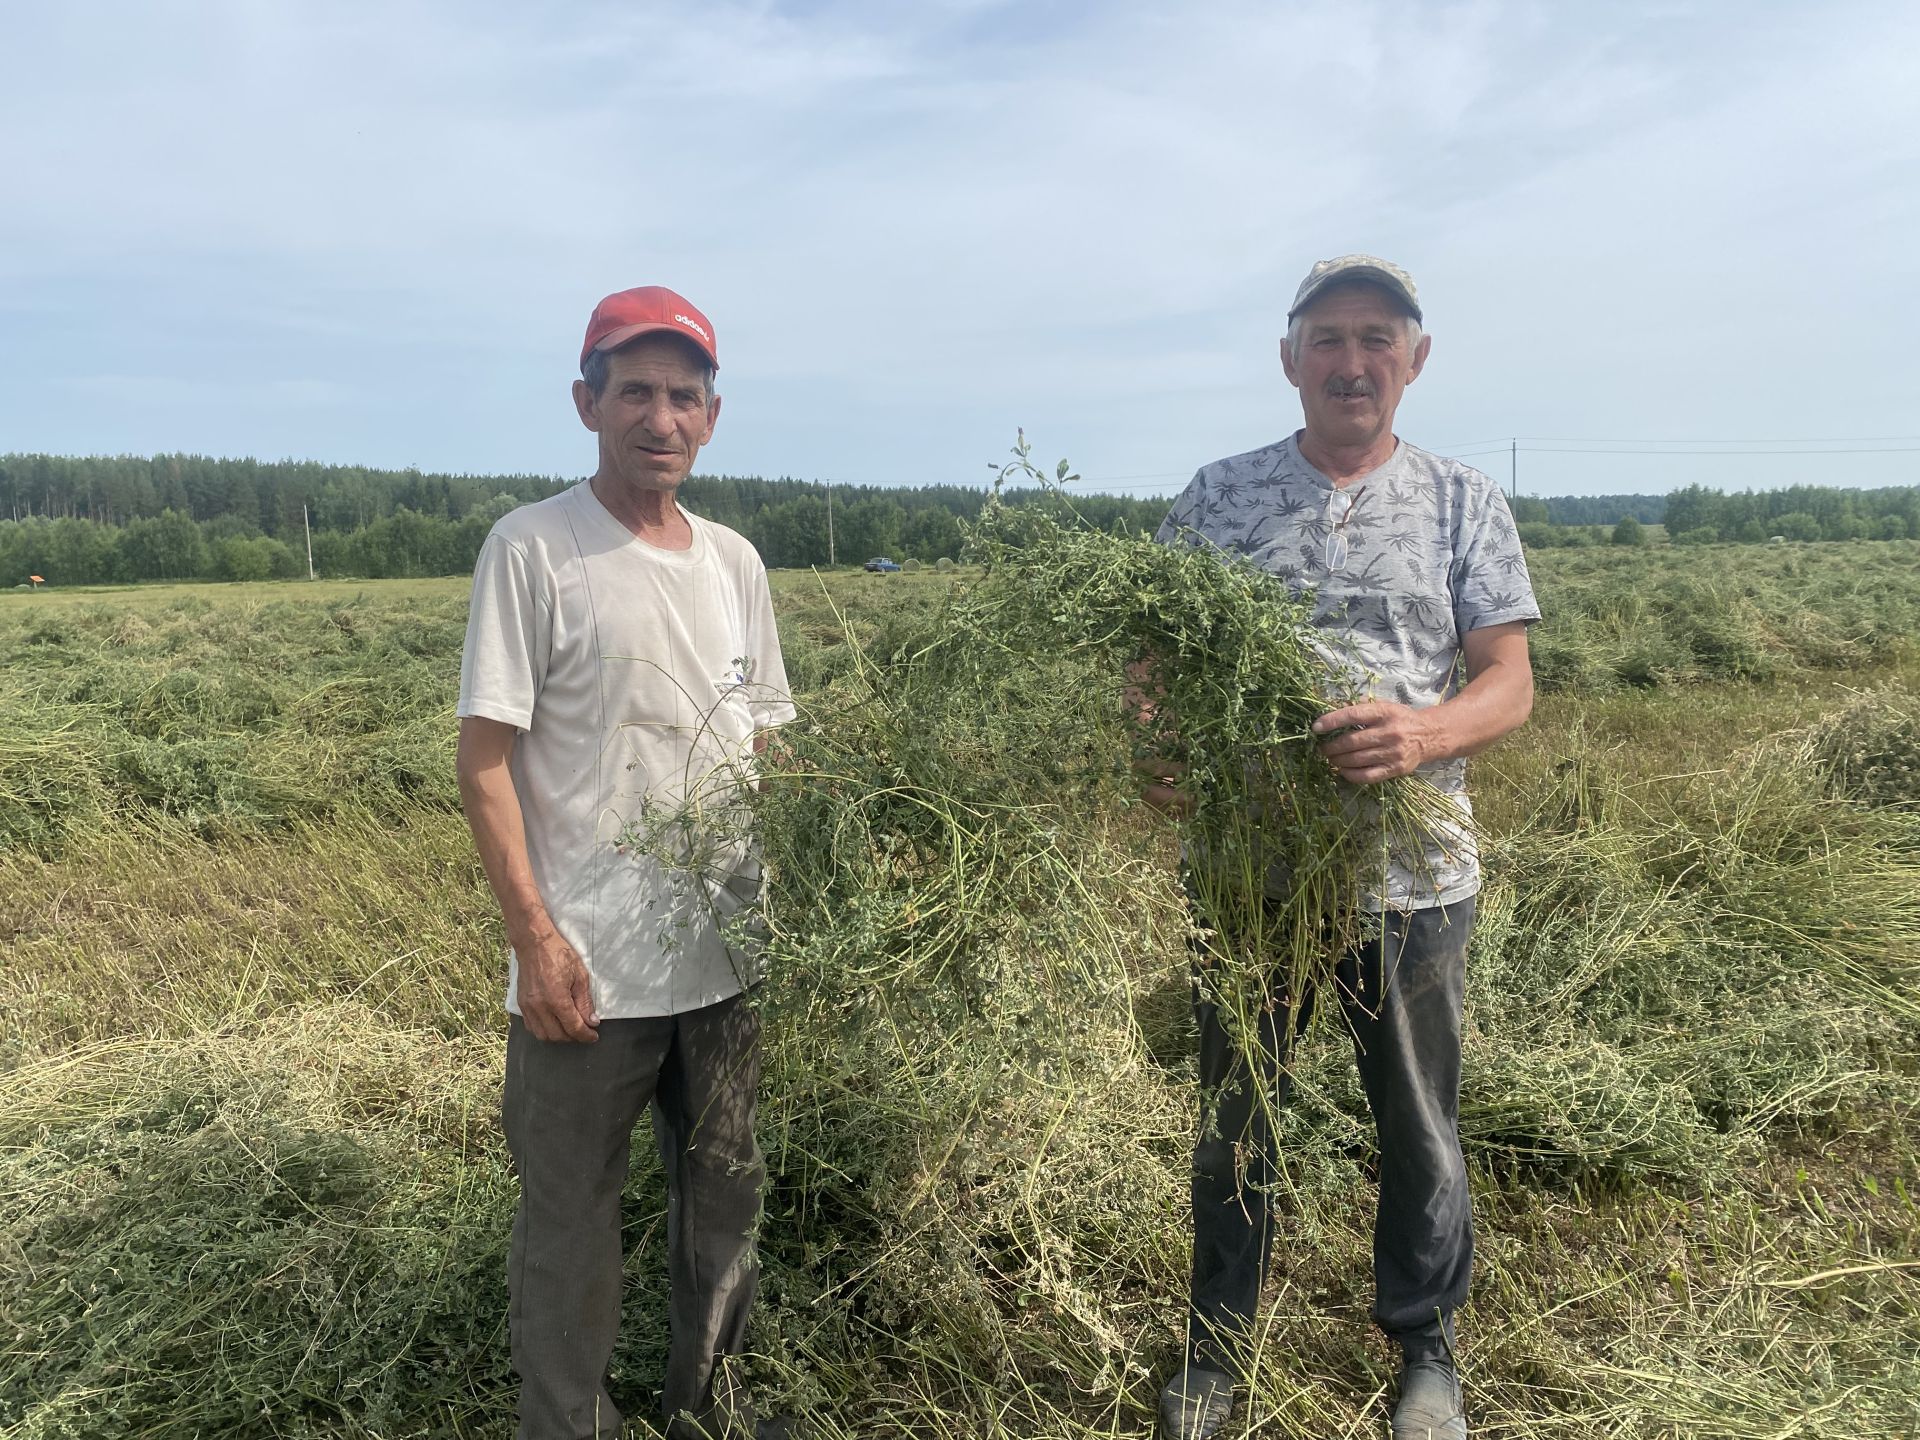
{"x":830,"y":556}
{"x":307,"y":525}
{"x":1513,"y":469}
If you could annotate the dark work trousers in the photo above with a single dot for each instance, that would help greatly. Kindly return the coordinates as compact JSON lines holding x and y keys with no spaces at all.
{"x":570,"y":1111}
{"x":1401,"y":994}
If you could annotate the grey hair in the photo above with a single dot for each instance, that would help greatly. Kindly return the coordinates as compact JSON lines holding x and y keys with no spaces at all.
{"x":594,"y":372}
{"x":1298,"y":323}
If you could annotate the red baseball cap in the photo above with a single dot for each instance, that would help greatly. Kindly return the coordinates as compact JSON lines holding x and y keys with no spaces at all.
{"x":627,"y":313}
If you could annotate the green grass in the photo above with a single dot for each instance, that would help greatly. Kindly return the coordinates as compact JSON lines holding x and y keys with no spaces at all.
{"x":251,"y":1177}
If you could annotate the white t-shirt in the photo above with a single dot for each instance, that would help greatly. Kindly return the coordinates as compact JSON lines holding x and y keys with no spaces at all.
{"x":637,"y":677}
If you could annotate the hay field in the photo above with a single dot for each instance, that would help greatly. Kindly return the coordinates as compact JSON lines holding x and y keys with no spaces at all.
{"x":252,"y":1181}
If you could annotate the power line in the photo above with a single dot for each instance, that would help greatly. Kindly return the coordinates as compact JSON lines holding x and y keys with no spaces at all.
{"x":1575,"y":445}
{"x":1501,"y":442}
{"x":1850,"y":450}
{"x":1814,"y":440}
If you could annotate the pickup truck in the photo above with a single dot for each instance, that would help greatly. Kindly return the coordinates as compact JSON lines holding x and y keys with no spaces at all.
{"x":881,"y":565}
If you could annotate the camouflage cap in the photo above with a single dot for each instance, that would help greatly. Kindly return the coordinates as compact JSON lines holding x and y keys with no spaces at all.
{"x":1369,"y":268}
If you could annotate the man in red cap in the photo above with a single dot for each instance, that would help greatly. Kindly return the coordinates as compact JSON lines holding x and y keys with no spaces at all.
{"x":621,"y":672}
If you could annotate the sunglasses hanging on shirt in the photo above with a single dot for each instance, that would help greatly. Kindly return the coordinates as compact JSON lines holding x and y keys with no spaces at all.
{"x":1341,"y":505}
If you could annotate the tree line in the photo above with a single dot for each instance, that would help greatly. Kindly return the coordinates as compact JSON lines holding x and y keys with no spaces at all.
{"x":96,"y":520}
{"x":102,"y":519}
{"x":1699,"y":516}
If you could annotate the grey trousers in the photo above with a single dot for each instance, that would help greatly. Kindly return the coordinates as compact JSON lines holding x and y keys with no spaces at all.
{"x":1402,"y":997}
{"x":570,"y":1111}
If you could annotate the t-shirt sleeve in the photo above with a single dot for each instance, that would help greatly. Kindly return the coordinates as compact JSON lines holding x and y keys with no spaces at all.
{"x":509,"y":638}
{"x":768,"y":697}
{"x":1186,"y":512}
{"x":1490,"y":581}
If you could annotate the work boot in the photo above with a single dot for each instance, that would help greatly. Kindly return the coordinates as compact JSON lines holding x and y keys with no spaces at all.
{"x":727,"y":1416}
{"x":681,"y":1427}
{"x":1195,"y":1404}
{"x":1429,"y":1407}
{"x":729,"y":1419}
{"x":727,"y":1425}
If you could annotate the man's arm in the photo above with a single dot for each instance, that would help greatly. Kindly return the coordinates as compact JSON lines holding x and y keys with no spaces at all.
{"x":1142,"y":697}
{"x":555,"y":990}
{"x":1379,"y":740}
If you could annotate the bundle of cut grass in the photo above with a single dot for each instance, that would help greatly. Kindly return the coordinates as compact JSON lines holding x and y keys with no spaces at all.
{"x":922,"y":809}
{"x":960,"y":902}
{"x":1284,"y":857}
{"x":951,"y":950}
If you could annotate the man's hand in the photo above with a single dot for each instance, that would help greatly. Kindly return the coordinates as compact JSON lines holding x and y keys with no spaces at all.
{"x":555,"y":991}
{"x":1142,"y":697}
{"x":772,"y":753}
{"x":1377,"y":741}
{"x":1159,"y":791}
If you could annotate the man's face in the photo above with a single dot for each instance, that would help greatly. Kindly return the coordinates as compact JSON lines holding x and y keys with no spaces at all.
{"x":653,"y":415}
{"x":1353,"y":364}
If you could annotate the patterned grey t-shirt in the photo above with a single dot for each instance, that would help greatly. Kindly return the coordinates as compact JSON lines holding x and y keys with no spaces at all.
{"x":1431,"y":553}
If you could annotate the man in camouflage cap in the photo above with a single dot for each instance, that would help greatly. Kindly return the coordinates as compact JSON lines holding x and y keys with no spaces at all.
{"x":1415,"y":566}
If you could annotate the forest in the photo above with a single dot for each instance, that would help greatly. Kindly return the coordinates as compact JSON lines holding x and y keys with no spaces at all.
{"x":92,"y":520}
{"x":99,"y":520}
{"x":1697,"y":515}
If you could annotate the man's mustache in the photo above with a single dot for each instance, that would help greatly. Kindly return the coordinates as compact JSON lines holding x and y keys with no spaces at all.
{"x":1340,"y":389}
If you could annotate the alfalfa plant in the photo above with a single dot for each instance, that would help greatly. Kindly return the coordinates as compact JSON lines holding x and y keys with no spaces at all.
{"x":1282,"y":855}
{"x":908,"y":768}
{"x":948,"y":952}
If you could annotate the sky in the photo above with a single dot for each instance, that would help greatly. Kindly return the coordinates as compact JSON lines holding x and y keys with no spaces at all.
{"x":371,"y":233}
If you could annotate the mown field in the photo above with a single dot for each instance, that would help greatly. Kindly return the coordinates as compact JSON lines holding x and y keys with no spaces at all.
{"x":251,"y":1176}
